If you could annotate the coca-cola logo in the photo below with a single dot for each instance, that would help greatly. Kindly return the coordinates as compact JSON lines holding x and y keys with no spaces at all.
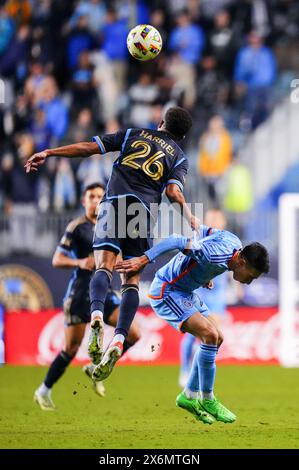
{"x":243,"y":341}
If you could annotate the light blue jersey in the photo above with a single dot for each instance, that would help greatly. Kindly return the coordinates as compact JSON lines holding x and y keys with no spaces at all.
{"x":207,"y":258}
{"x":172,"y":290}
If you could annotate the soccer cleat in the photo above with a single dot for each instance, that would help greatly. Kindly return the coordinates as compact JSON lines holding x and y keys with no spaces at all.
{"x":111,"y":356}
{"x":194,"y":407}
{"x":95,"y":341}
{"x":44,"y":401}
{"x":216,"y":409}
{"x":97,"y":386}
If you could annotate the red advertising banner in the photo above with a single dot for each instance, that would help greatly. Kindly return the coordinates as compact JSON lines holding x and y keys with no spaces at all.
{"x":251,"y":335}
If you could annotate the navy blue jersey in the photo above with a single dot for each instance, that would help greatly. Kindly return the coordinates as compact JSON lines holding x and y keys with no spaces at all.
{"x":77,"y":243}
{"x":149,"y":160}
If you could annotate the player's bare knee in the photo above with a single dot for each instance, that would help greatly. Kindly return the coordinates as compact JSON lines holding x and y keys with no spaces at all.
{"x":211,"y":335}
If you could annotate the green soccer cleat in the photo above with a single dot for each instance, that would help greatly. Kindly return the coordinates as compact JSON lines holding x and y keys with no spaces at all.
{"x":194,"y":407}
{"x":216,"y":409}
{"x":111,"y":356}
{"x":44,"y":401}
{"x":97,"y":386}
{"x":95,"y":341}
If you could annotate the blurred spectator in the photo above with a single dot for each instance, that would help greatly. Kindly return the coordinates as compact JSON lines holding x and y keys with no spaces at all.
{"x":41,"y":48}
{"x":115,"y":46}
{"x":238,"y":198}
{"x":82,"y":83}
{"x":83,"y":129}
{"x":157,"y":19}
{"x":79,"y":40}
{"x":64,"y":186}
{"x":132,"y":13}
{"x":209,"y":8}
{"x":20,"y":194}
{"x":255,"y":72}
{"x":212,"y":92}
{"x":223,"y":43}
{"x":215,"y":156}
{"x":40,"y":131}
{"x":187,"y":39}
{"x":186,"y":42}
{"x":7,"y":28}
{"x":34,"y":83}
{"x":14,"y":60}
{"x":142,"y":95}
{"x":106,"y":88}
{"x":252,"y":15}
{"x":55,"y":109}
{"x":19,"y":10}
{"x":286,"y":19}
{"x":94,"y":11}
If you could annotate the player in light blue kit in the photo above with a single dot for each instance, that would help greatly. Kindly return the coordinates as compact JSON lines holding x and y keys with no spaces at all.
{"x":204,"y":256}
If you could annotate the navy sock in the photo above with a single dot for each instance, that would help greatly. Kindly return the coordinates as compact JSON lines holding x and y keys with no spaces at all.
{"x":57,"y":368}
{"x":98,"y":289}
{"x":128,"y":308}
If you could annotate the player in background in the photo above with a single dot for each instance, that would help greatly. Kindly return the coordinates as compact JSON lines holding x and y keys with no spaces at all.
{"x":214,"y":298}
{"x":203,"y":257}
{"x":75,"y":252}
{"x":149,"y":162}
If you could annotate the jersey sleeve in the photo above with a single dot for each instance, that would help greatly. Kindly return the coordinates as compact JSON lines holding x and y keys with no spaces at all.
{"x":178,"y":174}
{"x":111,"y":142}
{"x":68,"y":241}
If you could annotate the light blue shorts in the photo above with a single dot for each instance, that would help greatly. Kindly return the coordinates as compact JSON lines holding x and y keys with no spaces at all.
{"x":177,"y":306}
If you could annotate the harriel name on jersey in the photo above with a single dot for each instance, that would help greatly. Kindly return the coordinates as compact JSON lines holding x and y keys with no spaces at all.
{"x":149,"y":160}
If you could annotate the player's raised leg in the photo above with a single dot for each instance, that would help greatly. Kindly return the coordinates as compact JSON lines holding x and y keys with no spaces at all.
{"x":99,"y":285}
{"x":204,"y":359}
{"x":73,"y":338}
{"x":128,"y":307}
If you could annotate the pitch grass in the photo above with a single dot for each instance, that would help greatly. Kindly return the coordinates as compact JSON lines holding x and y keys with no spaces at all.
{"x":139,"y":410}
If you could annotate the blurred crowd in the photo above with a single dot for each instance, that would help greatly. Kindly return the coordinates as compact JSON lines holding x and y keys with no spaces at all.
{"x":67,"y":76}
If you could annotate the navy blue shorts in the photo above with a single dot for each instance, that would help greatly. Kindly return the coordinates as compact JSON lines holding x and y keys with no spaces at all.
{"x":77,"y":310}
{"x":119,"y":231}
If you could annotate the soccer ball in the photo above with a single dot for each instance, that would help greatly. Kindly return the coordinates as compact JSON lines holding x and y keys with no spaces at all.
{"x":144,"y":42}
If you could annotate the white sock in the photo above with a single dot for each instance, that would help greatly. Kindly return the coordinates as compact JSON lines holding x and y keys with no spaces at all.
{"x":190,"y":394}
{"x":96,"y":314}
{"x":207,"y":395}
{"x":120,"y":338}
{"x":43,"y":389}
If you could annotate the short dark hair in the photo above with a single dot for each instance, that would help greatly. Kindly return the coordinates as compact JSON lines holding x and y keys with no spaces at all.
{"x":178,"y":122}
{"x":257,"y":256}
{"x":92,"y":186}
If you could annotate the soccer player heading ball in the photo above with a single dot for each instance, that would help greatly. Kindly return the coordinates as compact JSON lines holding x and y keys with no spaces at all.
{"x":149,"y":162}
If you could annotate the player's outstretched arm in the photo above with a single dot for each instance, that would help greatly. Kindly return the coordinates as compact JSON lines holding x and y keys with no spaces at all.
{"x":174,"y":194}
{"x":81,"y":149}
{"x":133,"y":265}
{"x":174,"y":242}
